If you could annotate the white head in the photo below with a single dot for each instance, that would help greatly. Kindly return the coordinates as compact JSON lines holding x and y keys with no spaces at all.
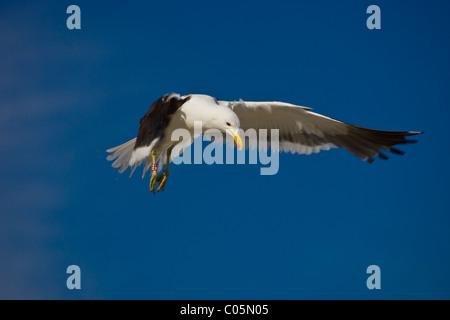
{"x":214,"y":115}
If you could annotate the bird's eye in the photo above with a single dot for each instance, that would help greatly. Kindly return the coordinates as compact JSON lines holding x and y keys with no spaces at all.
{"x":228,"y":124}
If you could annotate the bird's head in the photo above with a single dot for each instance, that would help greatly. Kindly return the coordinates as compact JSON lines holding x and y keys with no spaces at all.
{"x":213,"y":115}
{"x":225,"y":120}
{"x":231,"y":126}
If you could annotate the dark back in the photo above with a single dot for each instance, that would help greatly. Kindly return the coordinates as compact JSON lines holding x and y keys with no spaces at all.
{"x":155,"y":121}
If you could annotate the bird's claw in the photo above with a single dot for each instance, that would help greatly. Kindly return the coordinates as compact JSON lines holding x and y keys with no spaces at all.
{"x":153,"y":180}
{"x":158,"y":178}
{"x":162,"y":180}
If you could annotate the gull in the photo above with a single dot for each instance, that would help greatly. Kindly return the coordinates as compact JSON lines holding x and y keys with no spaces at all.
{"x":301,"y":131}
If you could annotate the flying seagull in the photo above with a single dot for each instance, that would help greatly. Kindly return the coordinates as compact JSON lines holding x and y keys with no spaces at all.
{"x":300,"y":131}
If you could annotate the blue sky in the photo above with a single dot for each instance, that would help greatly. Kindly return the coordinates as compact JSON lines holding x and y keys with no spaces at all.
{"x":222,"y":231}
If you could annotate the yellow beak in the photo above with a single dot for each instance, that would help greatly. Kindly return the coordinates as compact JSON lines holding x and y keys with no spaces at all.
{"x":237,"y":138}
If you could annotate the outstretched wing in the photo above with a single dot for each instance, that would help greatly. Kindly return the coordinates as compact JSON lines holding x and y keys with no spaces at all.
{"x":303,"y":131}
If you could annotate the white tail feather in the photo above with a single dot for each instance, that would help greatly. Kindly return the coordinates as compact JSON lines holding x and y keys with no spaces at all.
{"x":123,"y":154}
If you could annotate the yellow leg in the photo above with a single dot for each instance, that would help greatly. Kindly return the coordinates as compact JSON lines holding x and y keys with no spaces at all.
{"x":162,"y":178}
{"x":154,"y":174}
